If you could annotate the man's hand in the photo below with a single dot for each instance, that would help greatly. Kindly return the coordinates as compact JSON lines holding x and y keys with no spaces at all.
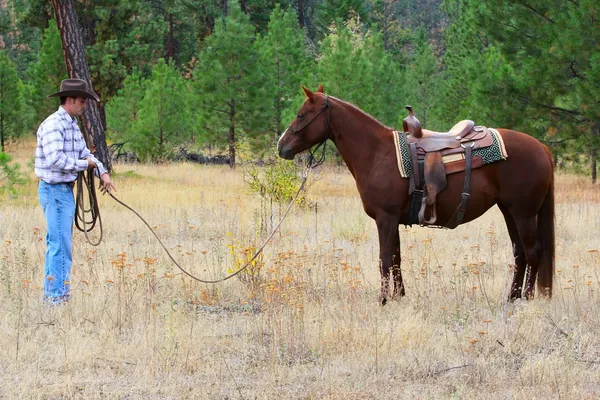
{"x":91,"y":164}
{"x":106,"y":185}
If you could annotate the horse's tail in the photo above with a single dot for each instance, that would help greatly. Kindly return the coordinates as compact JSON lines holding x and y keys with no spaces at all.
{"x":545,"y":224}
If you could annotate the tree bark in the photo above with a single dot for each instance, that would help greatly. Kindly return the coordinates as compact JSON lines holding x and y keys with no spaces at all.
{"x":278,"y":112}
{"x":87,"y":30}
{"x":77,"y":67}
{"x":301,"y":13}
{"x":594,"y":168}
{"x":231,"y":135}
{"x":385,"y":24}
{"x":224,"y":7}
{"x":594,"y":152}
{"x":170,"y":39}
{"x":1,"y":133}
{"x":102,"y":111}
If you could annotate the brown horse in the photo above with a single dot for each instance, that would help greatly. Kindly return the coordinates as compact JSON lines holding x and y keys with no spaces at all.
{"x":522,"y":186}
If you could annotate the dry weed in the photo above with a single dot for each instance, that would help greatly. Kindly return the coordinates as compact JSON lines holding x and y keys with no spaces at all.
{"x":304,"y":323}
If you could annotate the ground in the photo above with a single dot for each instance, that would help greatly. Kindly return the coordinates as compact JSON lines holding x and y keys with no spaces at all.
{"x":306,"y":324}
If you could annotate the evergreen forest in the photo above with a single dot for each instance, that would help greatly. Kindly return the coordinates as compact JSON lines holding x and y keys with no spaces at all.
{"x":223,"y":77}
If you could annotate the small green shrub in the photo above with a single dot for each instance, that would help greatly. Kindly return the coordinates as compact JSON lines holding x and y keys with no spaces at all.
{"x":10,"y":175}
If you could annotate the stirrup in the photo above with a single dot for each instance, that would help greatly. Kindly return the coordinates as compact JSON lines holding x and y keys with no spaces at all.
{"x":433,"y":217}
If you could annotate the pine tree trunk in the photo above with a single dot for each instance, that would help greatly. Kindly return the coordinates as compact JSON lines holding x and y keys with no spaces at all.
{"x":278,"y":112}
{"x":87,"y":30}
{"x":77,"y":67}
{"x":224,"y":7}
{"x":231,"y":136}
{"x":385,"y":25}
{"x":594,"y":168}
{"x":301,"y":13}
{"x":594,"y":152}
{"x":102,"y":111}
{"x":170,"y":39}
{"x":1,"y":134}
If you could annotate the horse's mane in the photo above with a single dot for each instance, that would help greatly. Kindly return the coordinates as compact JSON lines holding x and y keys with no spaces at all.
{"x":361,"y":112}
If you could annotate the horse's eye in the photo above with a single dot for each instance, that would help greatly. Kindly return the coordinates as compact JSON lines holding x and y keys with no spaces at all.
{"x":300,"y":116}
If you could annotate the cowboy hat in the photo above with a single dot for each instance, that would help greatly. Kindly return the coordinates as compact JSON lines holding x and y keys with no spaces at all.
{"x":75,"y":88}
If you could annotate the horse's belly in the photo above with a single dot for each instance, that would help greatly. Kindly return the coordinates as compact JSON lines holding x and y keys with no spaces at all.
{"x":483,"y":195}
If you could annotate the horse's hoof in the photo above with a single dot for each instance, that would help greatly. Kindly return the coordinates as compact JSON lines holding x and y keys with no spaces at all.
{"x":514,"y":297}
{"x":515,"y":294}
{"x":529,"y":295}
{"x":382,"y":301}
{"x":398,"y":295}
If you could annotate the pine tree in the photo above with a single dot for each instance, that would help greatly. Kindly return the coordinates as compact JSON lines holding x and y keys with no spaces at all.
{"x":232,"y":97}
{"x":13,"y":116}
{"x":10,"y":175}
{"x":163,"y":122}
{"x":122,"y":36}
{"x":343,"y":68}
{"x":123,"y":110}
{"x":389,"y":20}
{"x":18,"y":40}
{"x":330,"y":12}
{"x":553,"y":49}
{"x":422,"y":83}
{"x":461,"y":60}
{"x":355,"y":67}
{"x":285,"y":65}
{"x":384,"y":99}
{"x":46,"y":74}
{"x":77,"y":67}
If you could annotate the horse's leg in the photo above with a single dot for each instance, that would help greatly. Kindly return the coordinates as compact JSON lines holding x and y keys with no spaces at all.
{"x":389,"y":256}
{"x":527,"y":227}
{"x":397,"y":274}
{"x":519,"y":253}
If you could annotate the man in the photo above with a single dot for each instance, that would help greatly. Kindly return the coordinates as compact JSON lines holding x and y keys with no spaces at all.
{"x":60,"y":154}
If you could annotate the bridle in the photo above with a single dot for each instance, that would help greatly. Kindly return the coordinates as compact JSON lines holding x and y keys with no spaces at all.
{"x":312,"y":161}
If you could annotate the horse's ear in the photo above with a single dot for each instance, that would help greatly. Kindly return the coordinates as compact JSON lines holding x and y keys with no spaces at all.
{"x":320,"y":89}
{"x":308,"y":93}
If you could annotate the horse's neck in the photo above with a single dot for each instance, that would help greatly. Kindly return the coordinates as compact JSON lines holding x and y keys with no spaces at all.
{"x":359,"y":139}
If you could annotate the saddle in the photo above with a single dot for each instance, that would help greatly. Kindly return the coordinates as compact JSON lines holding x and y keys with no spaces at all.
{"x":433,"y":156}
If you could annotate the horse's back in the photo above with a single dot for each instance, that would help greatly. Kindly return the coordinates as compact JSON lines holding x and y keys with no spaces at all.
{"x":520,"y":181}
{"x":527,"y":173}
{"x":525,"y":148}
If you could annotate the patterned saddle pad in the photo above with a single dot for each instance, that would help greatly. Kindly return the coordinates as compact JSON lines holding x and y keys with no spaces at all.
{"x":490,"y":154}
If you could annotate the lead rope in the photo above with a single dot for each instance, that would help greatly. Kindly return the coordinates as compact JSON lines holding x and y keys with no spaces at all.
{"x":93,"y":212}
{"x":96,"y":215}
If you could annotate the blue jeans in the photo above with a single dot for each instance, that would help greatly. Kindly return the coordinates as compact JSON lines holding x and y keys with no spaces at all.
{"x":59,"y":210}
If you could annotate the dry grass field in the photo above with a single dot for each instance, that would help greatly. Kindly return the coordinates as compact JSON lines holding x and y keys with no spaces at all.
{"x":306,"y":324}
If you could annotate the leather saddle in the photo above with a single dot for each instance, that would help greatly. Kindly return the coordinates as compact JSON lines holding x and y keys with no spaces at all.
{"x":433,"y":156}
{"x":429,"y":141}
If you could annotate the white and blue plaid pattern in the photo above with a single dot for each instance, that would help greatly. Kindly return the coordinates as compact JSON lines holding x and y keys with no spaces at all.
{"x":61,"y":150}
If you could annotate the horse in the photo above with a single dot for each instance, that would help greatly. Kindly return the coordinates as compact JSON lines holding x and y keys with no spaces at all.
{"x":522,"y":186}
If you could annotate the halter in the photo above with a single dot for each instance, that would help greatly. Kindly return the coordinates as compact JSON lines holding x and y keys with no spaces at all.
{"x":312,"y":152}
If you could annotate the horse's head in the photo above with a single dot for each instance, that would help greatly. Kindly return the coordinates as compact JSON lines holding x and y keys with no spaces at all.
{"x":310,"y":127}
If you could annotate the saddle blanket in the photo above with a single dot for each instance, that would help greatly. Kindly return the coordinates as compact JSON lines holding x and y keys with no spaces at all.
{"x":490,"y":154}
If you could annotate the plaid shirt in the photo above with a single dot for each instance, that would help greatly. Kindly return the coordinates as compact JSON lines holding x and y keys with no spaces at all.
{"x":61,"y":150}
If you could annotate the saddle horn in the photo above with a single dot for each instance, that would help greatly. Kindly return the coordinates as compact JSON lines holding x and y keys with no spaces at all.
{"x":411,"y":124}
